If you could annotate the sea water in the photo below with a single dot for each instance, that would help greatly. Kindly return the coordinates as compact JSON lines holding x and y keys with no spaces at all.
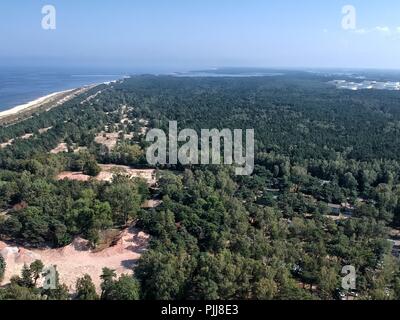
{"x":19,"y":85}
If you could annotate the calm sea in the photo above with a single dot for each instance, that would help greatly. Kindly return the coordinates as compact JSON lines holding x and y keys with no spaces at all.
{"x":22,"y":85}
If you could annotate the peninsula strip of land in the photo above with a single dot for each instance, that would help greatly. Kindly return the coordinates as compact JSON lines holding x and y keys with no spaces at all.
{"x":45,"y":103}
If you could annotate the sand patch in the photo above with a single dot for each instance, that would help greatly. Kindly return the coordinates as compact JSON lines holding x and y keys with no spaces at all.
{"x":110,"y":140}
{"x":108,"y":171}
{"x":80,"y":149}
{"x":11,"y":141}
{"x":151,"y":204}
{"x":76,"y":176}
{"x":146,"y":174}
{"x":126,"y":120}
{"x":6,"y":144}
{"x":143,"y":131}
{"x":77,"y":259}
{"x":62,"y":147}
{"x":44,"y":130}
{"x":27,"y":136}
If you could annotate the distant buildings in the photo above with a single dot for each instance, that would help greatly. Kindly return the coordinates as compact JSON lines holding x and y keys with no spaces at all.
{"x":395,"y":247}
{"x":334,"y":208}
{"x":348,"y":209}
{"x":345,"y":209}
{"x":366,"y":85}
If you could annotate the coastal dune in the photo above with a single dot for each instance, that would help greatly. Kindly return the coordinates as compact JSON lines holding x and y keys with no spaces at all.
{"x":77,"y":259}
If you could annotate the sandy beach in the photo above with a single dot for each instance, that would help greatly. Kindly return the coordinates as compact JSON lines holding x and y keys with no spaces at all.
{"x":34,"y":103}
{"x":41,"y":104}
{"x":56,"y":98}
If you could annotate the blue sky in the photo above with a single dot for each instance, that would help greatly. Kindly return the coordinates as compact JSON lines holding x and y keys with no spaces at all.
{"x":187,"y":34}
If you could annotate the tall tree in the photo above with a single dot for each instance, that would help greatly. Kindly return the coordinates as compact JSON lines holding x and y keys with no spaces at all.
{"x":2,"y":268}
{"x":85,"y":289}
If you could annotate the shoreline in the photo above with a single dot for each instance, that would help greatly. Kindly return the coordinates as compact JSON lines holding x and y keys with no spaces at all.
{"x":32,"y":104}
{"x":52,"y":97}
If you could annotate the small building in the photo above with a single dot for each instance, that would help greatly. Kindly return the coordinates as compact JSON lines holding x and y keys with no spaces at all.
{"x":348,"y":209}
{"x":395,"y":248}
{"x":348,"y":212}
{"x":334,"y":208}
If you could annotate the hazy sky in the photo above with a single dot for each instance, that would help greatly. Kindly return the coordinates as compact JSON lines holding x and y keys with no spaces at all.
{"x":179,"y":34}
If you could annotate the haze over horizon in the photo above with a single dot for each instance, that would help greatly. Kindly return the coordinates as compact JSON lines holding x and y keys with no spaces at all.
{"x":181,"y":35}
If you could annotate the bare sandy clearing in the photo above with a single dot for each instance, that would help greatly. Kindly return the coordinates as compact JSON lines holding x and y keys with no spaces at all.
{"x":77,"y":176}
{"x":337,"y":218}
{"x":24,"y":137}
{"x":394,"y":233}
{"x":108,"y":171}
{"x":11,"y":141}
{"x":93,"y":96}
{"x":147,"y":174}
{"x":143,"y":131}
{"x":75,"y":260}
{"x":107,"y":139}
{"x":80,"y":149}
{"x":110,"y":140}
{"x":151,"y":204}
{"x":6,"y":144}
{"x":62,"y":147}
{"x":27,"y":136}
{"x":44,"y":130}
{"x":126,"y":120}
{"x":144,"y":121}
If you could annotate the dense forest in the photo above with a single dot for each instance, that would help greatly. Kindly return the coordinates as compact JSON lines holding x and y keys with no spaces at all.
{"x":325,"y":192}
